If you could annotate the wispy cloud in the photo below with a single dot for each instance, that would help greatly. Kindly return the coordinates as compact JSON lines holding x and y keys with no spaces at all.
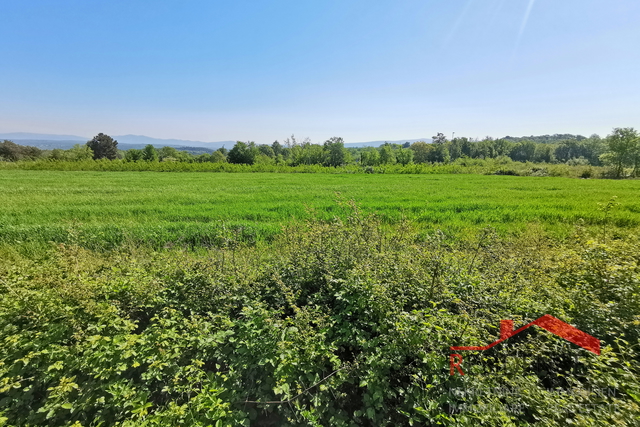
{"x":525,"y":20}
{"x":456,"y":25}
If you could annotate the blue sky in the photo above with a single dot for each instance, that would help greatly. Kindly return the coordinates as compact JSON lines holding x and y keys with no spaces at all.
{"x":363,"y":70}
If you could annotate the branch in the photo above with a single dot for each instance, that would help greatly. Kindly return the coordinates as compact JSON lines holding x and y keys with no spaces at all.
{"x":297,"y":395}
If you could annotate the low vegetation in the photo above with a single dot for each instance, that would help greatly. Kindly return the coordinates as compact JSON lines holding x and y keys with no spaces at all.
{"x":340,"y":321}
{"x":155,"y":299}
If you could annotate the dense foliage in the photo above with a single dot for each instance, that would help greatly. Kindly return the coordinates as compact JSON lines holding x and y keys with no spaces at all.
{"x":10,"y":151}
{"x":620,"y":152}
{"x":549,"y":139}
{"x":103,"y":147}
{"x":343,"y":322}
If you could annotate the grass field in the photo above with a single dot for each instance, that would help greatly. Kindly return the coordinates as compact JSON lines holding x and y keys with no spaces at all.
{"x":159,"y":208}
{"x":337,"y":323}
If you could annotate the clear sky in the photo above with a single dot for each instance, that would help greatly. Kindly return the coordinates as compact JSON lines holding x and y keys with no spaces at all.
{"x":362,"y":69}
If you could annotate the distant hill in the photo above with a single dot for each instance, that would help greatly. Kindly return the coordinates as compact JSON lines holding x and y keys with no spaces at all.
{"x":157,"y":142}
{"x":23,"y":136}
{"x":65,"y":145}
{"x":192,"y":150}
{"x":46,"y":144}
{"x":126,"y":142}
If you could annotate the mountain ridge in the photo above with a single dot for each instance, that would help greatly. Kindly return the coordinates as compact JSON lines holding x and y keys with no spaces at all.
{"x":51,"y":141}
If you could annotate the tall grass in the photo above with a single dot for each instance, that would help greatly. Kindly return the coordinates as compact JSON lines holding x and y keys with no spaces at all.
{"x":107,"y":209}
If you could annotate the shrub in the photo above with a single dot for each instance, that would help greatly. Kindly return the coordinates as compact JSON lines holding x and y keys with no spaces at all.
{"x":337,"y":322}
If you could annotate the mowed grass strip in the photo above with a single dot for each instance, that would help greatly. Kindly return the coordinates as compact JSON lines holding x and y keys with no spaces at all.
{"x":162,"y":207}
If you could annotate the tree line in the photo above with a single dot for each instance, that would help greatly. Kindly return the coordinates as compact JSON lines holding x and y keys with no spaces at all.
{"x":620,"y":151}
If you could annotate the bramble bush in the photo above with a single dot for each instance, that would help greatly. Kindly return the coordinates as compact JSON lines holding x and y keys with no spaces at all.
{"x":342,"y":322}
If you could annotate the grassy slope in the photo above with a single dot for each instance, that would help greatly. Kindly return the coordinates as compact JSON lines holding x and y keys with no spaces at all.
{"x":36,"y":202}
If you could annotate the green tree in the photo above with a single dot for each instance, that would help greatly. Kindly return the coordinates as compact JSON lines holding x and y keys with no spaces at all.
{"x":31,"y":153}
{"x":523,"y":151}
{"x":404,"y":156}
{"x":455,"y":148}
{"x":276,"y":147}
{"x":202,"y":158}
{"x":104,"y":147}
{"x":133,"y":155}
{"x":149,"y":153}
{"x":78,"y":153}
{"x":543,"y":153}
{"x":219,"y":156}
{"x":168,"y":154}
{"x":502,"y":147}
{"x":369,"y":156}
{"x":313,"y":154}
{"x":267,"y":150}
{"x":421,"y":151}
{"x":570,"y":149}
{"x":387,"y":155}
{"x":295,"y":155}
{"x":243,"y":153}
{"x":438,"y":152}
{"x":485,"y":149}
{"x":263,"y":159}
{"x":623,"y":150}
{"x":442,"y":153}
{"x":595,"y":147}
{"x":336,"y":154}
{"x":11,"y":151}
{"x":57,"y":154}
{"x":439,"y":138}
{"x":465,"y":146}
{"x":304,"y":153}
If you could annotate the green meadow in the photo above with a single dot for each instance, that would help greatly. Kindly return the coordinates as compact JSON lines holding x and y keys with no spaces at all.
{"x":267,"y":299}
{"x":197,"y":208}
